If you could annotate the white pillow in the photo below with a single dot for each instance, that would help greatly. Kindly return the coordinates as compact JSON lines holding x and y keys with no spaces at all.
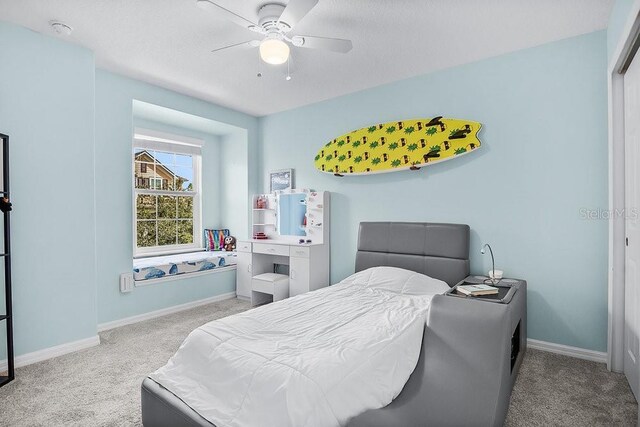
{"x":397,"y":280}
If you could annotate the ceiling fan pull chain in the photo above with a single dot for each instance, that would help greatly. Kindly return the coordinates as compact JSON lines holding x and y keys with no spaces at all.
{"x":259,"y":67}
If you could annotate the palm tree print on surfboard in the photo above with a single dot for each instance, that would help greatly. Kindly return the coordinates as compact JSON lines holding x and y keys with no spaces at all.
{"x":392,"y":146}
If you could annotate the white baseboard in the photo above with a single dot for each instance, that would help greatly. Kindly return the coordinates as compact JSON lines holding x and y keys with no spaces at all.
{"x":62,"y":349}
{"x":565,"y":350}
{"x":163,"y":312}
{"x":51,"y":352}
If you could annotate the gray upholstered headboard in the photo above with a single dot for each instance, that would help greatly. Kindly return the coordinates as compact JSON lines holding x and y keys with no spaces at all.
{"x":437,"y":250}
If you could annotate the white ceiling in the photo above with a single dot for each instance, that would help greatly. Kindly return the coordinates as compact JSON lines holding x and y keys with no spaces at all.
{"x":168,"y":42}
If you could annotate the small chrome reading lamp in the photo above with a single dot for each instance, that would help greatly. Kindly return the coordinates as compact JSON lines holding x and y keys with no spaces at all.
{"x":493,"y":265}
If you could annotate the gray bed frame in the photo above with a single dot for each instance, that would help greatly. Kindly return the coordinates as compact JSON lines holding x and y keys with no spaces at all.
{"x":471,"y":350}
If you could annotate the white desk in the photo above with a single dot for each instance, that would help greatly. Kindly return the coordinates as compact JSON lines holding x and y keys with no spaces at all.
{"x":308,"y":264}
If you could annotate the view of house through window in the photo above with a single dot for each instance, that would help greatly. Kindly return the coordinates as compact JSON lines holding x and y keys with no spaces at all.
{"x":166,"y":199}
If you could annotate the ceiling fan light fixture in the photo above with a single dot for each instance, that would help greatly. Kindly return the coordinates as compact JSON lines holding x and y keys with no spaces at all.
{"x":274,"y":51}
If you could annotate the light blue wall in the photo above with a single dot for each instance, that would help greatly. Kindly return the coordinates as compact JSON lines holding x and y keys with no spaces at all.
{"x":47,"y":108}
{"x":114,"y":97}
{"x":235,"y":192}
{"x":617,"y":20}
{"x":544,"y":158}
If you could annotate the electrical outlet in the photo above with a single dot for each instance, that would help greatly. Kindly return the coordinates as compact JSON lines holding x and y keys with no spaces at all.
{"x":126,"y":282}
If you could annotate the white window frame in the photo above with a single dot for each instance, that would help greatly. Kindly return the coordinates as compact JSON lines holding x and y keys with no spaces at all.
{"x":161,"y":141}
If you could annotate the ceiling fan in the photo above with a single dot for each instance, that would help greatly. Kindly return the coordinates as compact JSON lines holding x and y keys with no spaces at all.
{"x":273,"y":28}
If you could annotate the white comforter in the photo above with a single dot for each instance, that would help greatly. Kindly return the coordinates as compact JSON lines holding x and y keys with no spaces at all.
{"x":318,"y":359}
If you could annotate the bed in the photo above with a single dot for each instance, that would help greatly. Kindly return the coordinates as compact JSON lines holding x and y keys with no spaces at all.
{"x":462,"y":373}
{"x":172,"y":265}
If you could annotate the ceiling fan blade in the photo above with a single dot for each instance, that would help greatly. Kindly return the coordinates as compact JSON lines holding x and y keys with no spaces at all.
{"x":296,"y":10}
{"x":233,"y":17}
{"x":247,"y":44}
{"x":326,"y":43}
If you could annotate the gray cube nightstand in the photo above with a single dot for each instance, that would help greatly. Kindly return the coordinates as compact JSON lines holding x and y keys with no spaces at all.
{"x":475,"y":340}
{"x":506,"y":289}
{"x":471,"y":351}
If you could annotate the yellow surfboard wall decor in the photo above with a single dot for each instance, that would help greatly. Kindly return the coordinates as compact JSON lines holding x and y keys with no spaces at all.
{"x":392,"y":146}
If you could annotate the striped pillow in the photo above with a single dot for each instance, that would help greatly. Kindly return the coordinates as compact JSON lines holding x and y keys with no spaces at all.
{"x":214,"y":239}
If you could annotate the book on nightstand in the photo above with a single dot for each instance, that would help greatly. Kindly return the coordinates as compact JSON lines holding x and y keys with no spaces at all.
{"x":477,"y":290}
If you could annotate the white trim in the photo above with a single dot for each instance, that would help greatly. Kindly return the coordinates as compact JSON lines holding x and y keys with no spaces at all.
{"x":167,"y":253}
{"x":197,"y":209}
{"x":177,"y":148}
{"x":71,"y":347}
{"x":566,"y":350}
{"x":167,"y":193}
{"x":168,"y":138}
{"x":615,"y":292}
{"x":163,"y":312}
{"x":139,"y":283}
{"x":51,"y":352}
{"x":615,"y":82}
{"x":151,"y":251}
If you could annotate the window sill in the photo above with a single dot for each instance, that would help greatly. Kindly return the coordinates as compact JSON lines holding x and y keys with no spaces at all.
{"x":167,"y":253}
{"x":141,"y":283}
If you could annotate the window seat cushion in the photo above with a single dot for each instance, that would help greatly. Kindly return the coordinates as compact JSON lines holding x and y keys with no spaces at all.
{"x":172,"y":265}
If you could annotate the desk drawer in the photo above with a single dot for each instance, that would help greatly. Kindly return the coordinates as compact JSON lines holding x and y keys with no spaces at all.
{"x":269,"y":249}
{"x":299,"y":251}
{"x":243,"y":246}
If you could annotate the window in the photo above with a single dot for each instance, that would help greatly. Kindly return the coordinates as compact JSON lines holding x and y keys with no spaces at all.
{"x":156,"y":183}
{"x":166,"y":192}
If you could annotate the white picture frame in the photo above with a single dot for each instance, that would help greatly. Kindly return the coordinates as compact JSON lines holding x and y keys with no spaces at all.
{"x":281,"y":179}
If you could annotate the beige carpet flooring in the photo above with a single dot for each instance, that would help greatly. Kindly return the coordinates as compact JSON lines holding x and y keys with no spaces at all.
{"x":100,"y":386}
